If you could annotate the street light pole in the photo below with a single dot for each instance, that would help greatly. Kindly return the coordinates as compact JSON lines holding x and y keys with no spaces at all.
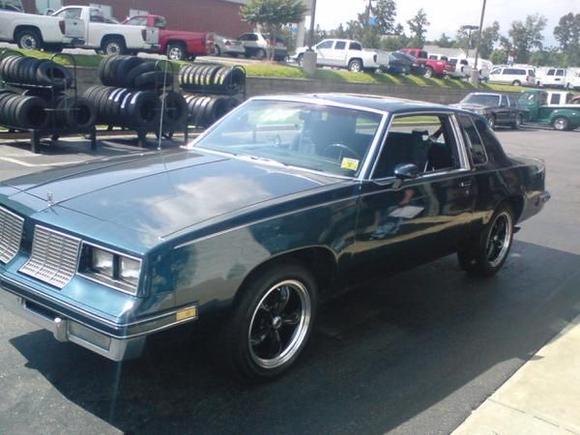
{"x":312,"y":21}
{"x":475,"y":72}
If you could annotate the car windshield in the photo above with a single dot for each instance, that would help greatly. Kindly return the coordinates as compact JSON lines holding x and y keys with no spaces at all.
{"x":484,"y":100}
{"x":328,"y":139}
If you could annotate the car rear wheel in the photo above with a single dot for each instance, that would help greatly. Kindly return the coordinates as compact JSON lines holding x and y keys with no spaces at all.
{"x":561,"y":123}
{"x":114,"y":47}
{"x":29,"y":40}
{"x":516,"y":83}
{"x":355,"y":65}
{"x":271,"y":324}
{"x":176,"y":52}
{"x":486,"y":255}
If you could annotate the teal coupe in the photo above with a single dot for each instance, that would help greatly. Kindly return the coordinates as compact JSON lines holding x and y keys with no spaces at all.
{"x":284,"y":203}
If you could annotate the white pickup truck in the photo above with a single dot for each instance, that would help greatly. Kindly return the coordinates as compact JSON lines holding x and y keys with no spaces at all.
{"x":76,"y":27}
{"x":344,"y":53}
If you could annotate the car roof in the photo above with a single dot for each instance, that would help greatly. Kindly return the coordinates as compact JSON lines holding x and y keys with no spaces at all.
{"x":380,"y":103}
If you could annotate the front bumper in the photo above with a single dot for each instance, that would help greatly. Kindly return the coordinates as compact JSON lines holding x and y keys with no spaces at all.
{"x":68,"y":322}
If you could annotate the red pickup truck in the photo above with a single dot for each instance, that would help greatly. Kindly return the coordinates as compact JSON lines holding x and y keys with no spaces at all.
{"x":432,"y":67}
{"x":177,"y":44}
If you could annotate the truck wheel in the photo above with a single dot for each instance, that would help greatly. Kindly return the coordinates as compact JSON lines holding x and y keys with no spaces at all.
{"x":485,"y":255}
{"x":516,"y":83}
{"x":561,"y":123}
{"x":355,"y":65}
{"x":29,"y":39}
{"x":518,"y":122}
{"x":114,"y":46}
{"x":428,"y":72}
{"x":261,"y":54}
{"x":271,"y":323}
{"x":176,"y":51}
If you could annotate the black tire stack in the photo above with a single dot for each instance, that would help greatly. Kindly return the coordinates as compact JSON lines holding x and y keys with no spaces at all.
{"x":35,"y":97}
{"x":212,"y":91}
{"x":135,"y":94}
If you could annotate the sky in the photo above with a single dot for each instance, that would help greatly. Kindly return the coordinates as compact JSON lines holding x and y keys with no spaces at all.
{"x":447,"y":15}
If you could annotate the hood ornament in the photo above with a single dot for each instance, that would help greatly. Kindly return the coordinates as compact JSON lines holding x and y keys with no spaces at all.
{"x":50,"y":199}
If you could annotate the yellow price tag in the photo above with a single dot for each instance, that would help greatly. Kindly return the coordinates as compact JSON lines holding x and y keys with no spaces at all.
{"x":350,"y":164}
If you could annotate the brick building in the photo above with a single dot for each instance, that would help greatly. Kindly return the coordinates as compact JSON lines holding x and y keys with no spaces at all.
{"x":219,"y":16}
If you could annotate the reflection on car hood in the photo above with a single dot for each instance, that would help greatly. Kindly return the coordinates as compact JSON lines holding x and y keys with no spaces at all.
{"x":472,"y":107}
{"x":161,"y":193}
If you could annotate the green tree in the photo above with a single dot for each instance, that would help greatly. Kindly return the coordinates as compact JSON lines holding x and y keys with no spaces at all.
{"x":273,"y":15}
{"x":498,"y":56}
{"x":489,"y":37}
{"x":385,"y":12}
{"x":567,"y":33}
{"x":526,"y":36}
{"x":418,"y":28}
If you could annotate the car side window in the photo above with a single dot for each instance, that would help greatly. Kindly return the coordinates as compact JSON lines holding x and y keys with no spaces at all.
{"x":427,"y":141}
{"x":137,"y":21}
{"x":473,"y":140}
{"x":340,"y":45}
{"x":551,"y":72}
{"x":70,"y":13}
{"x":555,"y":99}
{"x":325,"y":45}
{"x":560,"y":73}
{"x":503,"y":101}
{"x":355,"y":46}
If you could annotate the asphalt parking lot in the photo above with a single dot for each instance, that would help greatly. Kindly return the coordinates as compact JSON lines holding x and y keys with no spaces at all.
{"x":411,"y":354}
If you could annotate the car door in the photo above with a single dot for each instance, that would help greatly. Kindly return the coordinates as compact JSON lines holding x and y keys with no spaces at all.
{"x":503,"y":111}
{"x":338,"y":54}
{"x":406,"y":222}
{"x":75,"y":27}
{"x":560,"y":77}
{"x":324,"y":53}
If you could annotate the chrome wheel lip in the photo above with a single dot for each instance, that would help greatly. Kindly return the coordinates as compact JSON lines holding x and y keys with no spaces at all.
{"x":116,"y":49}
{"x":496,"y":258}
{"x":298,"y":336}
{"x":175,"y":53}
{"x":355,"y":67}
{"x":560,"y":124}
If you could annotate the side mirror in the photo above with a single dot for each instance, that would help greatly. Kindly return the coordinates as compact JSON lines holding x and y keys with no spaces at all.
{"x":406,"y":171}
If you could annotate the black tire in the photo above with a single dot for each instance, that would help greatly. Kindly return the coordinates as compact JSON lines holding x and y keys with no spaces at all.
{"x":75,"y":113}
{"x":491,"y":122}
{"x":561,"y":124}
{"x":142,"y":111}
{"x":479,"y":257}
{"x":428,"y":73}
{"x":277,"y":307}
{"x":152,"y":80}
{"x":176,"y":51}
{"x":518,"y":122}
{"x":114,"y":46}
{"x":516,"y":83}
{"x":29,"y":39}
{"x":300,"y":60}
{"x":30,"y":112}
{"x":145,"y":67}
{"x":355,"y":65}
{"x":175,"y":111}
{"x":49,"y":73}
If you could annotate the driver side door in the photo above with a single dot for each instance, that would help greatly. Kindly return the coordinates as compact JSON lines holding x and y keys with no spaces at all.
{"x":403,"y":223}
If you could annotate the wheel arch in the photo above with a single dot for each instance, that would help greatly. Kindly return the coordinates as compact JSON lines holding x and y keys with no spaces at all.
{"x":318,"y":260}
{"x":24,"y":27}
{"x":352,"y":59}
{"x":110,"y":36}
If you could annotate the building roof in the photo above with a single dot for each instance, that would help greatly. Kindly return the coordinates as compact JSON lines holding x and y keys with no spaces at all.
{"x":449,"y":52}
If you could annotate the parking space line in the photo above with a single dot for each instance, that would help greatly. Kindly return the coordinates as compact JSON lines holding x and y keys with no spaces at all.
{"x":38,"y":165}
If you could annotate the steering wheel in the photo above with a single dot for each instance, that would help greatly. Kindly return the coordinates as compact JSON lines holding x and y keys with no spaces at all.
{"x":340,"y":147}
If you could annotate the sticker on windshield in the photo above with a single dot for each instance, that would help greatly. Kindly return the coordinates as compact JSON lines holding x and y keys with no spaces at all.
{"x":350,"y":164}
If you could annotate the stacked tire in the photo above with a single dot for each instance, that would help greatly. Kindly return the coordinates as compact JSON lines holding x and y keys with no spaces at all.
{"x":133,"y":95}
{"x":213,"y":90}
{"x":36,"y":98}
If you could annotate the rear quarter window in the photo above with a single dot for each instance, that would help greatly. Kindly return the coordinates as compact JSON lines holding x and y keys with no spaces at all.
{"x":473,"y":140}
{"x":495,"y":153}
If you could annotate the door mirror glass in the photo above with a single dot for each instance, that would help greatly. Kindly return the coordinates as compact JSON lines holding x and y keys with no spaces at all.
{"x":406,"y":171}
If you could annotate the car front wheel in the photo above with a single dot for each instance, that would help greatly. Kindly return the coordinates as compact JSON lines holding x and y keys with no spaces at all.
{"x":355,"y":65}
{"x":176,"y":52}
{"x":561,"y":124}
{"x":485,"y":255}
{"x":271,"y":324}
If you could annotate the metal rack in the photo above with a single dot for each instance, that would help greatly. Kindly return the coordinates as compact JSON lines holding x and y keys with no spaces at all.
{"x":53,"y":131}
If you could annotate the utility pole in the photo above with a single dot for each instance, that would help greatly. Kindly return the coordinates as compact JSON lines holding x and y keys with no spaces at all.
{"x":312,"y":23}
{"x":475,"y":72}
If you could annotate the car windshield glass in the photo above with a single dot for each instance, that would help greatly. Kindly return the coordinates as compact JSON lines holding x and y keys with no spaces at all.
{"x":484,"y":100}
{"x":328,"y":139}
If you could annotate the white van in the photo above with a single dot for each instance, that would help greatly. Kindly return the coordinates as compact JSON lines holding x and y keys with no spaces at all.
{"x":513,"y":75}
{"x":550,"y":76}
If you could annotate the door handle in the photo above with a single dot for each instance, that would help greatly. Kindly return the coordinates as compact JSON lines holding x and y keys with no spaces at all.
{"x":465,"y":183}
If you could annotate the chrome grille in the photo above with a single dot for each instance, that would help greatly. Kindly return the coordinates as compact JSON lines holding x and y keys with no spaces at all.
{"x":10,"y":234}
{"x":54,"y":257}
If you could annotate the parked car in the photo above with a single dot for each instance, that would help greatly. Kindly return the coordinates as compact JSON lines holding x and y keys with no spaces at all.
{"x":498,"y":109}
{"x":344,"y":53}
{"x":433,"y":67}
{"x":557,"y":109}
{"x":282,"y":204}
{"x":573,"y":78}
{"x":90,"y":29}
{"x":31,"y":31}
{"x":551,"y":77}
{"x":228,"y":46}
{"x":410,"y":62}
{"x":257,"y":45}
{"x":458,"y":68}
{"x":516,"y":76}
{"x":176,"y":44}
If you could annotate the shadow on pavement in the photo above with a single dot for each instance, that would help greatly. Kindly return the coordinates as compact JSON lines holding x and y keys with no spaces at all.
{"x":409,"y":349}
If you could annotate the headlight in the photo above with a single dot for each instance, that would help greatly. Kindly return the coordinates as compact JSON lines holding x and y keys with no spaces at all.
{"x":113,"y":269}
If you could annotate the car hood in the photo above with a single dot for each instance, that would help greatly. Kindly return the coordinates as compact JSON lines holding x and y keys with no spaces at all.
{"x":161,"y":193}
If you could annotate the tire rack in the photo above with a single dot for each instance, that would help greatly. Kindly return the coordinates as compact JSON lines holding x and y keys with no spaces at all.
{"x":214,"y":90}
{"x":52,"y":130}
{"x":160,"y":131}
